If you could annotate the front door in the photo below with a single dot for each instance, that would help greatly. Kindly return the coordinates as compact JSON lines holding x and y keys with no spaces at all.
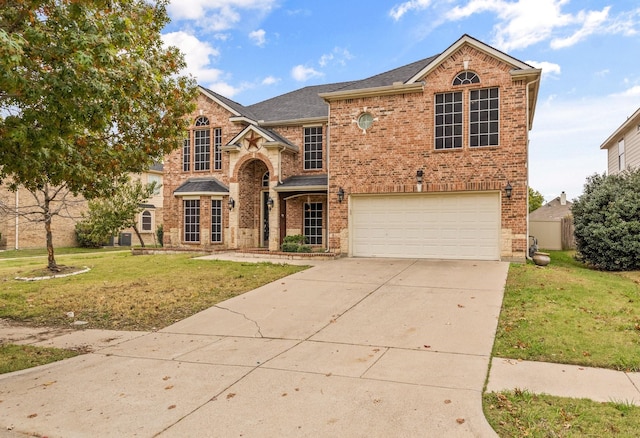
{"x":265,"y":219}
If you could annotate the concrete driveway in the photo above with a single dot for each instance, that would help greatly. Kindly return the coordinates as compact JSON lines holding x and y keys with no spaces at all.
{"x":351,"y":347}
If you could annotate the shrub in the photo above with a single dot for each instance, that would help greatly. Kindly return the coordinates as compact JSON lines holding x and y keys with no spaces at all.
{"x":85,"y":236}
{"x":295,"y":243}
{"x":160,"y":234}
{"x":607,"y":221}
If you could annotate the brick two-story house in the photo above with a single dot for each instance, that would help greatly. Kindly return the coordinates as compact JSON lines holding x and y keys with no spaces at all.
{"x":428,"y":160}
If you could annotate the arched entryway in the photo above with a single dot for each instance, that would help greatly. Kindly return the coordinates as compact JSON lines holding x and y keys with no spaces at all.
{"x":253,"y":197}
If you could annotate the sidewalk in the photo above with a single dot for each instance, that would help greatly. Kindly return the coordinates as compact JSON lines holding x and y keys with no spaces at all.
{"x":598,"y":384}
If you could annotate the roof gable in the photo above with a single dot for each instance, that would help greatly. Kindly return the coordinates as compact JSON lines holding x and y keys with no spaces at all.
{"x":613,"y":139}
{"x":468,"y":40}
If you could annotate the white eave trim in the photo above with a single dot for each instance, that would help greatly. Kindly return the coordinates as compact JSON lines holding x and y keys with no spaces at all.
{"x":183,"y":194}
{"x":242,"y":119}
{"x":397,"y":88}
{"x":218,"y":101}
{"x":300,"y":188}
{"x":279,"y":144}
{"x":294,"y":122}
{"x":613,"y":139}
{"x":466,"y":39}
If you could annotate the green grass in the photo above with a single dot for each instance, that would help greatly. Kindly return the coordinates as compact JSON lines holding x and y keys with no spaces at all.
{"x":19,"y":357}
{"x":567,"y":313}
{"x":42,"y":252}
{"x":125,"y":292}
{"x":120,"y":292}
{"x":520,"y":414}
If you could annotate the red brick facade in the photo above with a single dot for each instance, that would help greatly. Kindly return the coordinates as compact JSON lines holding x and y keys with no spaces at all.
{"x":383,"y":159}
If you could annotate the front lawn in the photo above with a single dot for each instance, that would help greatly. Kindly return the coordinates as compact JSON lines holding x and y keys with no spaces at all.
{"x":124,"y":292}
{"x":567,"y":313}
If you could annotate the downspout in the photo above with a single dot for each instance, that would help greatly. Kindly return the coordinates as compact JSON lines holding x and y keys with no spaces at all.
{"x":526,"y":251}
{"x":328,"y":190}
{"x":17,"y":236}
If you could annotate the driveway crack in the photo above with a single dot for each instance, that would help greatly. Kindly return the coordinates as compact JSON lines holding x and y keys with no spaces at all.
{"x":245,"y":317}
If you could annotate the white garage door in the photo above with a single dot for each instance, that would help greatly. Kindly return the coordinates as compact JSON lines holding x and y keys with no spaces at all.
{"x":451,"y":226}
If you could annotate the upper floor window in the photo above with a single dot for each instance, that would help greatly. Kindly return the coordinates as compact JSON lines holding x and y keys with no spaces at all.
{"x":265,"y":179}
{"x":621,"y":160}
{"x":313,"y":148}
{"x":466,"y":77}
{"x":217,"y":149}
{"x":186,"y":155}
{"x":202,"y":145}
{"x":156,"y":180}
{"x":484,"y":117}
{"x":448,"y":124}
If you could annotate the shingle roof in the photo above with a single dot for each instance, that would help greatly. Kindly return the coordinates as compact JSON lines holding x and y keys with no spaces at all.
{"x":299,"y":104}
{"x":303,"y":182}
{"x":202,"y":185}
{"x":552,"y":211}
{"x":305,"y":102}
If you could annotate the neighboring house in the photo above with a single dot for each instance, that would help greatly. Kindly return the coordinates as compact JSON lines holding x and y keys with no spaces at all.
{"x":552,"y":224}
{"x":428,"y":160}
{"x":623,"y":146}
{"x":22,"y":231}
{"x":150,"y":218}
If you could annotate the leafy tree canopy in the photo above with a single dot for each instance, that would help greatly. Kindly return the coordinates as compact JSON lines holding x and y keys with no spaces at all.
{"x":535,"y":199}
{"x":88,"y":92}
{"x":607,"y":221}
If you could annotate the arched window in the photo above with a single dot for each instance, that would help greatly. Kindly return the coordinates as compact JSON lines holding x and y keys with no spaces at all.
{"x":146,"y":220}
{"x":202,"y":121}
{"x":466,"y":77}
{"x":202,"y":144}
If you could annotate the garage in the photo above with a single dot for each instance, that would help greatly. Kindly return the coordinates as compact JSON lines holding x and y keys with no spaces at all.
{"x":442,"y":226}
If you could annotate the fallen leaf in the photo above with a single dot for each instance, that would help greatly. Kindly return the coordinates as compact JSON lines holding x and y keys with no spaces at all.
{"x":32,"y":416}
{"x":460,"y":306}
{"x":231,"y":395}
{"x":172,"y":407}
{"x":446,"y":402}
{"x":284,"y":394}
{"x":166,"y":378}
{"x":168,"y":387}
{"x":460,"y":420}
{"x":427,"y":346}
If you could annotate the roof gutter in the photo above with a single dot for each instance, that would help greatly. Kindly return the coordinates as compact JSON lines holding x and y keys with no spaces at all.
{"x":293,"y":122}
{"x":387,"y":90}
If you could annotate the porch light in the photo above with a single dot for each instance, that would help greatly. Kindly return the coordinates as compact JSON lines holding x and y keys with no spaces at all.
{"x":232,"y":203}
{"x":340,"y":195}
{"x":270,"y":203}
{"x":419,"y":175}
{"x":508,"y":189}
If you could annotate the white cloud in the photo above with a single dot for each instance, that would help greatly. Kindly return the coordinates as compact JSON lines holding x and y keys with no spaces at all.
{"x":258,"y":37}
{"x":399,"y":10}
{"x":566,"y":138}
{"x":302,"y":73}
{"x":216,"y":15}
{"x":270,"y":80}
{"x":197,"y":55}
{"x":523,"y":23}
{"x":339,"y":54}
{"x":548,"y":68}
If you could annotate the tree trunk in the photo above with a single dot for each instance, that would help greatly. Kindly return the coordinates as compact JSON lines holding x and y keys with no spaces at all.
{"x":135,"y":228}
{"x":51,"y":261}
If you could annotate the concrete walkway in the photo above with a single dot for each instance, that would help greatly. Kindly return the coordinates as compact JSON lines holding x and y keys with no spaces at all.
{"x":350,"y":347}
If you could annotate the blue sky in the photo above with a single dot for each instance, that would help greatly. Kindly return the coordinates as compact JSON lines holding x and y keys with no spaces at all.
{"x":251,"y":50}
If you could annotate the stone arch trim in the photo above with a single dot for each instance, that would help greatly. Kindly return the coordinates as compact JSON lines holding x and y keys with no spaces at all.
{"x":248,"y":158}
